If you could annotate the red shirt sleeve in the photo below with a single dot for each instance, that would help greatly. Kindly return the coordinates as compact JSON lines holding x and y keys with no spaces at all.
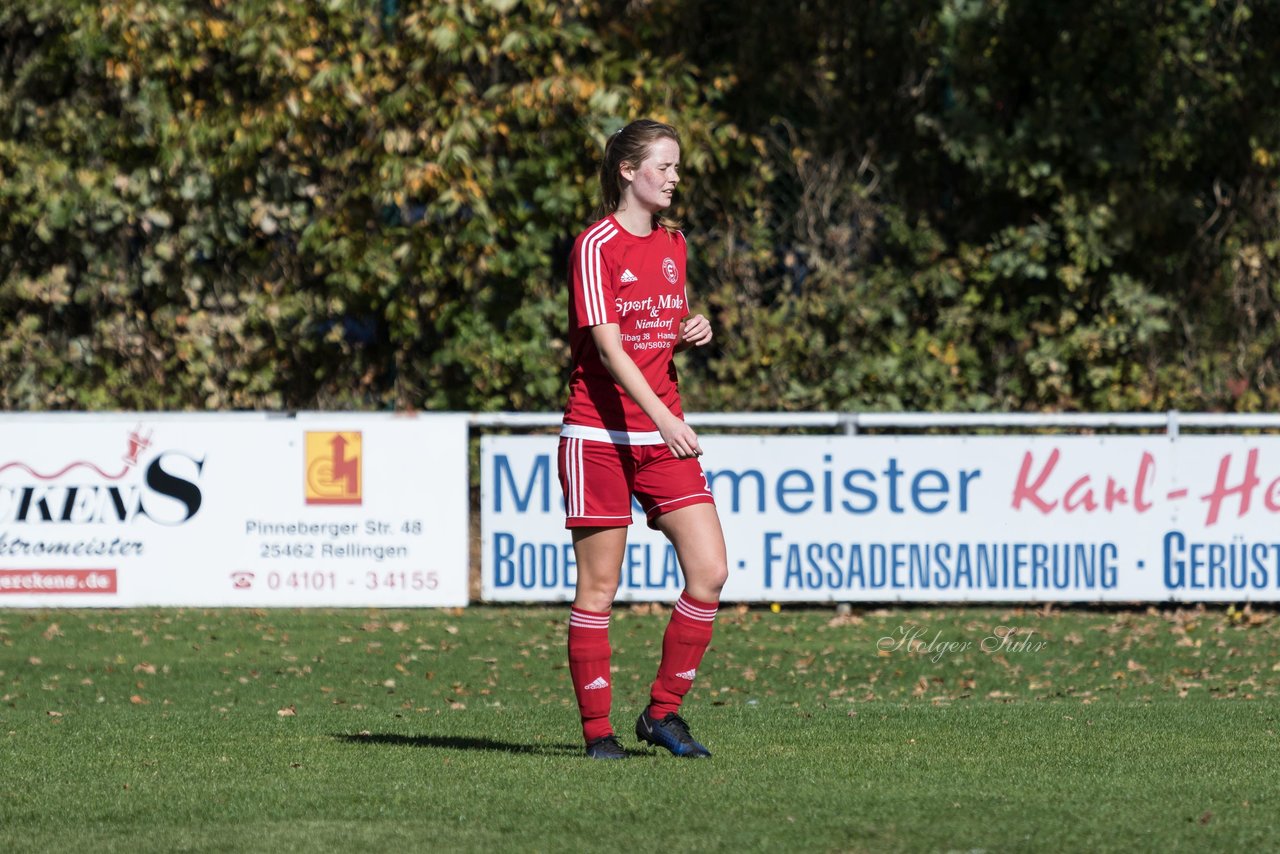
{"x":594,"y":296}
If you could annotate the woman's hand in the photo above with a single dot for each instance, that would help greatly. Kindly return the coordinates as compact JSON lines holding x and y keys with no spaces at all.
{"x":695,"y":331}
{"x":679,"y":438}
{"x":676,"y":435}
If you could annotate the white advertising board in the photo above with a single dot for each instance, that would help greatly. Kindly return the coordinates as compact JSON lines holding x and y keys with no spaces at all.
{"x":335,"y":509}
{"x":928,"y":518}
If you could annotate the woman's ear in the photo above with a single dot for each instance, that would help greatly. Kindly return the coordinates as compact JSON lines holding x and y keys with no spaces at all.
{"x":627,"y":171}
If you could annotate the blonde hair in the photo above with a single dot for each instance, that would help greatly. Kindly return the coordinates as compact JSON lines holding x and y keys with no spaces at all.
{"x":630,"y":145}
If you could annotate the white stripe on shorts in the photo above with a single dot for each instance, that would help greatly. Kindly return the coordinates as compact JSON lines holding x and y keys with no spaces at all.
{"x":573,"y":468}
{"x":681,"y":498}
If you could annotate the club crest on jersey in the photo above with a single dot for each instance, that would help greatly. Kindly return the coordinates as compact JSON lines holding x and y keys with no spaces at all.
{"x":627,"y":276}
{"x":669,"y":270}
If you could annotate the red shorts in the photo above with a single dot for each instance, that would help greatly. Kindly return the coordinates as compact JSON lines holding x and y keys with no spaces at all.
{"x":599,"y":478}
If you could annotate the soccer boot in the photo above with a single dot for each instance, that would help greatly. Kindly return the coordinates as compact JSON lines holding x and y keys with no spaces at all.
{"x":672,"y":733}
{"x":606,"y":748}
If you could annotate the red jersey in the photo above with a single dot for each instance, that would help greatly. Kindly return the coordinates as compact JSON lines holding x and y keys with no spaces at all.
{"x":637,"y":283}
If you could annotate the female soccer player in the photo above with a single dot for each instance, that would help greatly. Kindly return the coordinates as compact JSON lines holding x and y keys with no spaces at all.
{"x":624,"y":434}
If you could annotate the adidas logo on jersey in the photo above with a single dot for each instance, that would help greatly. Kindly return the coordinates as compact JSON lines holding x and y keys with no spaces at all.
{"x":688,"y":674}
{"x":628,"y":276}
{"x":596,"y":685}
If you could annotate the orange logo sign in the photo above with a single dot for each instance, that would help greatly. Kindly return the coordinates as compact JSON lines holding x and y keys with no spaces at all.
{"x":333,"y":468}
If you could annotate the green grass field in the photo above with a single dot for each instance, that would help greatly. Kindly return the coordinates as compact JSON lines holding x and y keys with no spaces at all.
{"x":885,"y":730}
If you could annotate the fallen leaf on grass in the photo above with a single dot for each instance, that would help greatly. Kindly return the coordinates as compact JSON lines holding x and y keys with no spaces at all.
{"x":1206,"y":818}
{"x":51,"y":713}
{"x":137,"y":700}
{"x":288,"y":712}
{"x":1185,"y":687}
{"x":52,"y":632}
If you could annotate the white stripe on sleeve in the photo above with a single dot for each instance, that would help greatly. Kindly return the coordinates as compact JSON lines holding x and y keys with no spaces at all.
{"x":590,"y":264}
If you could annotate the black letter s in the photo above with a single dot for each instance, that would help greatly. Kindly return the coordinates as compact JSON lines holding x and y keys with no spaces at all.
{"x":177,"y":488}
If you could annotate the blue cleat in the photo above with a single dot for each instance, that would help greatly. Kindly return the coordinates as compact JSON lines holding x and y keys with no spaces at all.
{"x":672,"y":733}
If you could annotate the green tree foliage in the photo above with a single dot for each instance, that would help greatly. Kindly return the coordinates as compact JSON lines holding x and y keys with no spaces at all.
{"x":946,"y":205}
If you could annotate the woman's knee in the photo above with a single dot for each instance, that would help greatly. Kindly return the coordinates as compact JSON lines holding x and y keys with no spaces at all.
{"x":599,"y":592}
{"x":718,"y":578}
{"x":706,"y":581}
{"x":598,"y":553}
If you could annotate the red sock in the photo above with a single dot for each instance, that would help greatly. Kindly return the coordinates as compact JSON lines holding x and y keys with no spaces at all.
{"x":685,"y":641}
{"x":589,"y":668}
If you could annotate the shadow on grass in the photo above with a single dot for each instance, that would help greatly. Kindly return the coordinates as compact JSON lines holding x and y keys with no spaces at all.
{"x":458,"y":742}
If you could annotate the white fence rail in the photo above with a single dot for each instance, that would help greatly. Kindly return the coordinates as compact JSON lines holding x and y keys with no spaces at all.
{"x":850,"y":423}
